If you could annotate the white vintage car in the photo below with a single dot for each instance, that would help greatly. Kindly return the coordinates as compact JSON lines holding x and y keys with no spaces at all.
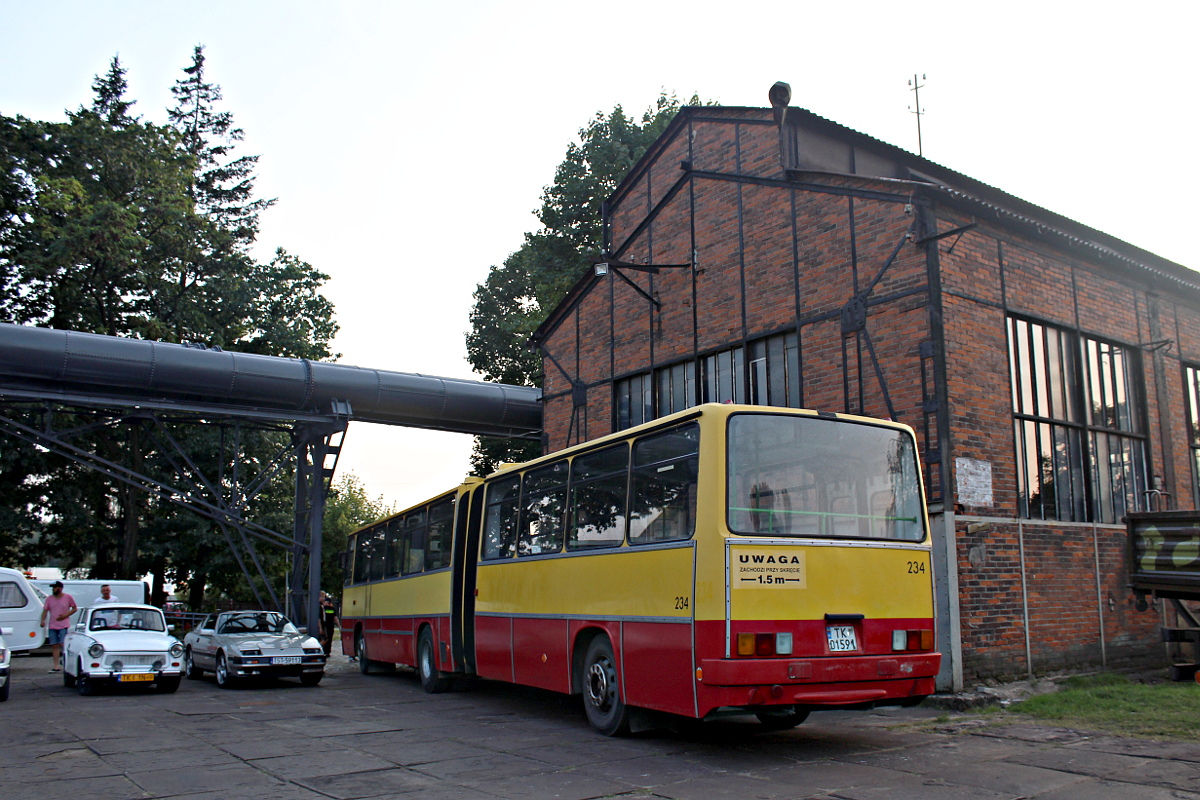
{"x":122,"y":643}
{"x":5,"y":654}
{"x":252,"y":644}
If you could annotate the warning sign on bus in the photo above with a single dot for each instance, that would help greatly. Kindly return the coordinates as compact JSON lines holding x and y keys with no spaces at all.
{"x":767,"y":568}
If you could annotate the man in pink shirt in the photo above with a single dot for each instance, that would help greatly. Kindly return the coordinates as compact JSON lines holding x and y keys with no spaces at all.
{"x":58,"y":610}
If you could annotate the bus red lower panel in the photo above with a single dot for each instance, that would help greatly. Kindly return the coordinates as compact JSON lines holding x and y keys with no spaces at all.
{"x":493,"y":648}
{"x":541,"y":654}
{"x":831,"y":695}
{"x":657,"y":662}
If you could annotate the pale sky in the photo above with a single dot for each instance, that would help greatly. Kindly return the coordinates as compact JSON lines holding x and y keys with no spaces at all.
{"x":408,"y":143}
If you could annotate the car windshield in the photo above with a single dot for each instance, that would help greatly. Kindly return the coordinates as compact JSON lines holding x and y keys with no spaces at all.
{"x":255,"y":622}
{"x":111,"y":618}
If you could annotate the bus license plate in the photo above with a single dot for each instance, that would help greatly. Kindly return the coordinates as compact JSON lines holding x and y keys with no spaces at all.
{"x":285,"y":660}
{"x":841,"y":638}
{"x":137,"y":676}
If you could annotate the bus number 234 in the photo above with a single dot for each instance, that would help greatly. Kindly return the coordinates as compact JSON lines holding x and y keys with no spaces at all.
{"x":681,"y":602}
{"x":916,"y":568}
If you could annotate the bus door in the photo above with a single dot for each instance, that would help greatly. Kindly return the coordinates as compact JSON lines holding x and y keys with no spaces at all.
{"x":467,"y":525}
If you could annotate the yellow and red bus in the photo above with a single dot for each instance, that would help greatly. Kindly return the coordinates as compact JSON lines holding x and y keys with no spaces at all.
{"x":726,"y":558}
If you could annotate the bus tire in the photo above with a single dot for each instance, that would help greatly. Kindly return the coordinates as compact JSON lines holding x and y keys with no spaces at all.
{"x":784,"y":719}
{"x":360,"y":650}
{"x":606,"y":711}
{"x":432,"y":681}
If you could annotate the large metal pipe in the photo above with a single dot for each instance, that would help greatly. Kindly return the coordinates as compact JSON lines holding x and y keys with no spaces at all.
{"x":60,"y":361}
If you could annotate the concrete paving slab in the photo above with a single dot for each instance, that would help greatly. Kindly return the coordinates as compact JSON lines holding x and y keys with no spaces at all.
{"x":113,"y":787}
{"x":650,"y":771}
{"x":174,"y":780}
{"x":1093,"y":789}
{"x":380,"y":783}
{"x":914,"y":787}
{"x":1082,"y":762}
{"x":1180,"y":751}
{"x":328,"y":762}
{"x":564,"y":785}
{"x":196,"y":756}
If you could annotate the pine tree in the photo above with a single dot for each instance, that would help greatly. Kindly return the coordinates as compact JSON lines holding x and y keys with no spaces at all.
{"x":222,"y":186}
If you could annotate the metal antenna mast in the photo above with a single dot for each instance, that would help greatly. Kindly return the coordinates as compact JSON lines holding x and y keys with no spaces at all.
{"x":916,"y":89}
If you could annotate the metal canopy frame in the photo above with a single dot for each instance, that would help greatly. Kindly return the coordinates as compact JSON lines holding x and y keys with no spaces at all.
{"x":313,"y":443}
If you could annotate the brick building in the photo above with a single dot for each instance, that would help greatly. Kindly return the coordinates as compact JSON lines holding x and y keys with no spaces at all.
{"x":767,"y":255}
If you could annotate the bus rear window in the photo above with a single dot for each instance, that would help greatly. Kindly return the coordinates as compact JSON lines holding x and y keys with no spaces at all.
{"x":821,"y":478}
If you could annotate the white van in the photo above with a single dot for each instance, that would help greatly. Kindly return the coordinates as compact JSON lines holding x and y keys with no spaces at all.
{"x":84,"y":592}
{"x":21,"y":610}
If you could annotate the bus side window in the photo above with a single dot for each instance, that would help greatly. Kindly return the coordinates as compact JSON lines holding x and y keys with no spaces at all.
{"x":395,"y":548}
{"x":378,"y":546}
{"x":362,"y":556}
{"x":663,"y":499}
{"x":348,"y":558}
{"x":599,"y":488}
{"x":543,"y":509}
{"x":414,"y":543}
{"x":437,"y":541}
{"x":500,"y":520}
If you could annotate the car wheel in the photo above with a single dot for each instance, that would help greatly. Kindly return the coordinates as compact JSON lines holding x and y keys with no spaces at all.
{"x":606,"y":711}
{"x":432,"y":681}
{"x":189,"y":666}
{"x":4,"y":689}
{"x":224,"y":679}
{"x":83,"y":684}
{"x":786,"y":718}
{"x":68,"y":678}
{"x":311,"y":678}
{"x":169,"y":685}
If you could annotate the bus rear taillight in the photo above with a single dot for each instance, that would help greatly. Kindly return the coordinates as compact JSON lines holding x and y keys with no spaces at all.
{"x":764,"y":644}
{"x":912,"y":640}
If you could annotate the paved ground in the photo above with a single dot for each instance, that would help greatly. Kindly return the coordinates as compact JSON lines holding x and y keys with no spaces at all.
{"x":380,"y":736}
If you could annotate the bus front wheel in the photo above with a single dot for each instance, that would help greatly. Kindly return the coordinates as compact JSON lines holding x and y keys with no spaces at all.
{"x":606,"y":711}
{"x":431,"y":680}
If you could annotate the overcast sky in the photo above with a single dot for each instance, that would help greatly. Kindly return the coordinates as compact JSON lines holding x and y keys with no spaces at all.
{"x":408,"y":143}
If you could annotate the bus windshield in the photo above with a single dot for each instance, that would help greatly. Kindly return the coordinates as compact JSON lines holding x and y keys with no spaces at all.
{"x":821,"y":478}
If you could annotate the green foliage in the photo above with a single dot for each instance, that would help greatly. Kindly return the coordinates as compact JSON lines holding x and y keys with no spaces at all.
{"x":347,"y":509}
{"x":114,"y":225}
{"x":518,"y":296}
{"x":1112,"y":702}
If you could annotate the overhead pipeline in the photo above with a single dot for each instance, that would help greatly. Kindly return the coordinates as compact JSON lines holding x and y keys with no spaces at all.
{"x":58,"y":361}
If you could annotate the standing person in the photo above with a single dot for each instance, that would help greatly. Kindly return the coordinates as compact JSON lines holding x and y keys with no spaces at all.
{"x":58,"y":610}
{"x":106,"y":596}
{"x":329,"y":622}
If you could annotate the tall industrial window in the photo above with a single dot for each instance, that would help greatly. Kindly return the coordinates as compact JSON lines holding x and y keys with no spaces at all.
{"x":1192,"y":376}
{"x":775,"y":371}
{"x":635,"y":400}
{"x":676,"y":388}
{"x":722,"y":376}
{"x":1078,"y":414}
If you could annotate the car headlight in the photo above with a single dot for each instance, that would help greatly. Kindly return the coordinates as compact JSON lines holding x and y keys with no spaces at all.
{"x":176,"y":650}
{"x":96,"y":650}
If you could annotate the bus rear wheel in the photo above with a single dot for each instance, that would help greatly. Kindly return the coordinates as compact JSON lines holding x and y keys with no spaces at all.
{"x":432,"y":681}
{"x":606,"y":711}
{"x":783,"y":719}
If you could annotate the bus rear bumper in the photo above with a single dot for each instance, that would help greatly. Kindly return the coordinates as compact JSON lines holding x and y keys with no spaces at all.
{"x":838,"y":669}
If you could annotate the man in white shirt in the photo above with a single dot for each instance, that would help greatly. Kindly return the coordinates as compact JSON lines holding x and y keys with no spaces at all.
{"x":106,"y":596}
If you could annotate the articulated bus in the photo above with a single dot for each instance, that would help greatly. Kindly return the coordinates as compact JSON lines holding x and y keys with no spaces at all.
{"x":724,"y":559}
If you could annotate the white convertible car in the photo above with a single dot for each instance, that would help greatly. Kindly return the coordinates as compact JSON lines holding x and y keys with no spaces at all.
{"x":252,"y":644}
{"x":121,"y":643}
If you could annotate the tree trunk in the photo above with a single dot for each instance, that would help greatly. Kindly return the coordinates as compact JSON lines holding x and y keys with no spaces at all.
{"x":133,"y":497}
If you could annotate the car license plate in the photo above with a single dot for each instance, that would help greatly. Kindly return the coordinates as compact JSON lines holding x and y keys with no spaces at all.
{"x":841,"y":638}
{"x":136,"y":676}
{"x":285,"y":660}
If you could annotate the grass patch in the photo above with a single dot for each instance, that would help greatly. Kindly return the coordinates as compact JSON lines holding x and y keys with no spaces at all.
{"x":1113,"y":703}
